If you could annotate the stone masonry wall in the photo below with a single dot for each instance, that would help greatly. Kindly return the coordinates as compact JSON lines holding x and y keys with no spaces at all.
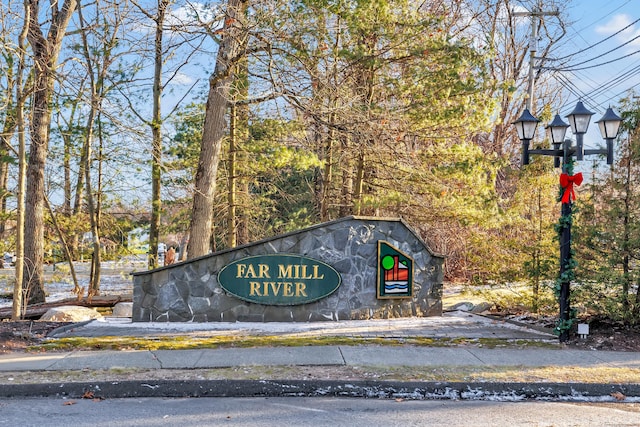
{"x":189,"y":291}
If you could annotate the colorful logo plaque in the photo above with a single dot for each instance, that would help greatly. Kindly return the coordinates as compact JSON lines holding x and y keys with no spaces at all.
{"x":395,"y":272}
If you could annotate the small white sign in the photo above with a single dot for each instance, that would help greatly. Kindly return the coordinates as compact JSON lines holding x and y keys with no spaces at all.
{"x":583,"y":330}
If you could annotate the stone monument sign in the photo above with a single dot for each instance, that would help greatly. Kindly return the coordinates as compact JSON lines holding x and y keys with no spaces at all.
{"x":349,"y":269}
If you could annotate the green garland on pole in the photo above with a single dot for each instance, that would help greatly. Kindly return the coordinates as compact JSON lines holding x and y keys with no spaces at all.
{"x":568,"y":272}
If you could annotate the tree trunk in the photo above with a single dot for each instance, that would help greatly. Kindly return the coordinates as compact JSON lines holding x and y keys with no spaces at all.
{"x":34,"y":225}
{"x":96,"y":78}
{"x":346,"y":192}
{"x":327,"y":174}
{"x":9,"y":128}
{"x":357,"y":193}
{"x":156,"y":144}
{"x":67,"y":129}
{"x":94,"y":278}
{"x":241,"y":135}
{"x":213,"y":132}
{"x":45,"y":58}
{"x":77,"y":202}
{"x":238,"y":227}
{"x":65,"y":248}
{"x":18,"y":295}
{"x":232,"y":229}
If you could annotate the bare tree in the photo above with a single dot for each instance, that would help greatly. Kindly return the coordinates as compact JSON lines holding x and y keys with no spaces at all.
{"x":174,"y":37}
{"x":97,"y":70}
{"x":156,"y":131}
{"x":18,"y":299}
{"x":46,"y":49}
{"x":156,"y":126}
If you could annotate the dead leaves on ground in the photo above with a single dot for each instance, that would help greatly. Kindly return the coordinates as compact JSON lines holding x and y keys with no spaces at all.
{"x":618,"y":396}
{"x":88,"y":394}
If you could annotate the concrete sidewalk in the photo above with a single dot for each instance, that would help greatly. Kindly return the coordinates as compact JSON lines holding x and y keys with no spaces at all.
{"x":458,"y":324}
{"x":361,"y":355}
{"x":355,"y":356}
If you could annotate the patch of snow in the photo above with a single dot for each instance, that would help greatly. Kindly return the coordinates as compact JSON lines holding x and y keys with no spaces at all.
{"x":115,"y":279}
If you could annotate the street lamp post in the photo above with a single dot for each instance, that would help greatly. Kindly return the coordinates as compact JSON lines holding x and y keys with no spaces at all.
{"x":526,"y":126}
{"x":579,"y":120}
{"x":562,"y":152}
{"x":609,"y":125}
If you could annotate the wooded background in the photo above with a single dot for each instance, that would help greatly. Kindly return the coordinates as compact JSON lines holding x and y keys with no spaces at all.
{"x":224,"y":123}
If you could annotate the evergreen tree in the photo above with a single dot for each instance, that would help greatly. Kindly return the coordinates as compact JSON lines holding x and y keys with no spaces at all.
{"x":608,"y":239}
{"x":279,"y":172}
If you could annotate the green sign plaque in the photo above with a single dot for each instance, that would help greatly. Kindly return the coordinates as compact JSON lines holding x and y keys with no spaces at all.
{"x":277,"y":279}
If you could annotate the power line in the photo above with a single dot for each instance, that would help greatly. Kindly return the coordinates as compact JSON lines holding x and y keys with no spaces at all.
{"x":570,"y":68}
{"x":573,"y":67}
{"x":617,"y":95}
{"x":601,"y":17}
{"x":621,"y":78}
{"x":608,"y":52}
{"x":570,"y":86}
{"x":591,"y":98}
{"x":573,"y":89}
{"x":573,"y":82}
{"x":600,"y":42}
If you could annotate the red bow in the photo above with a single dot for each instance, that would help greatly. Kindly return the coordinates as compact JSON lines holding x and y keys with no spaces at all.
{"x":567,"y":181}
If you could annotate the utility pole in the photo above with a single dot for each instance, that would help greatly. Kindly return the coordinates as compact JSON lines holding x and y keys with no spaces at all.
{"x":536,"y":14}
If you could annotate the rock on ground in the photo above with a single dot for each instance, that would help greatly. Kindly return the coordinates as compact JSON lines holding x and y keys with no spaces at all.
{"x":70,"y":313}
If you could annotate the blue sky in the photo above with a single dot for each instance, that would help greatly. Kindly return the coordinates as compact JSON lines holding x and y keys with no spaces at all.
{"x":597,"y":22}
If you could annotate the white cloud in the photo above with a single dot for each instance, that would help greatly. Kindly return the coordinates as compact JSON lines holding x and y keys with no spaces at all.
{"x":182,"y":79}
{"x":186,"y":17}
{"x":617,"y":23}
{"x":192,"y":14}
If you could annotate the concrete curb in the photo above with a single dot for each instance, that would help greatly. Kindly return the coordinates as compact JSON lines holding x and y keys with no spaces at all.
{"x":462,"y":325}
{"x":69,"y":327}
{"x":319,"y":388}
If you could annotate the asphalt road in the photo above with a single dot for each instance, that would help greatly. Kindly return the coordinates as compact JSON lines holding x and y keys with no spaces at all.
{"x":313,"y":412}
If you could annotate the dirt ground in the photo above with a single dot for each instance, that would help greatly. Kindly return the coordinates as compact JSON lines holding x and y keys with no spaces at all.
{"x":603,"y":335}
{"x":17,"y":336}
{"x":607,"y":335}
